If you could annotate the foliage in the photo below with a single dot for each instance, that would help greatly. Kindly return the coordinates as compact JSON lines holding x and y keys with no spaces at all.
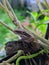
{"x":39,"y":23}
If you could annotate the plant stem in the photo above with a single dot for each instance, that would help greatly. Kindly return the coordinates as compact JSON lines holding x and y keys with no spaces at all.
{"x":28,"y":57}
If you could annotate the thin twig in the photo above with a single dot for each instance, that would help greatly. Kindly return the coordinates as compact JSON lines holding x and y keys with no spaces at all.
{"x":32,"y":59}
{"x":29,"y":59}
{"x":8,"y":4}
{"x":20,"y":52}
{"x":11,"y":13}
{"x":47,"y":4}
{"x":1,"y":22}
{"x":39,"y":5}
